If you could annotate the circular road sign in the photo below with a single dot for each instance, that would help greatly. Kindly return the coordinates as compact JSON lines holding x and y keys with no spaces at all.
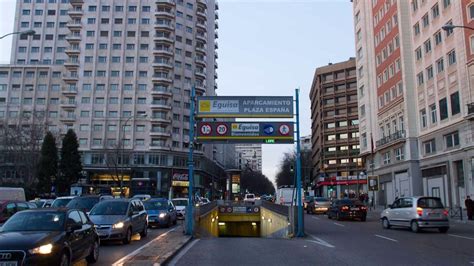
{"x":268,"y":129}
{"x":206,"y":129}
{"x":221,"y":129}
{"x":284,"y":129}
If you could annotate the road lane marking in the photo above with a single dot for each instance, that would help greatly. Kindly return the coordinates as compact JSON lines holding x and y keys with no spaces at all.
{"x":338,"y":224}
{"x":384,"y":237}
{"x":135,"y":252}
{"x":465,"y":237}
{"x":316,"y":218}
{"x":319,"y":241}
{"x":182,"y":253}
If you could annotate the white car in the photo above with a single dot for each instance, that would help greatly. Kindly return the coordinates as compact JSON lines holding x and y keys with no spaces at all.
{"x":249,"y":198}
{"x":61,"y":201}
{"x":180,"y":205}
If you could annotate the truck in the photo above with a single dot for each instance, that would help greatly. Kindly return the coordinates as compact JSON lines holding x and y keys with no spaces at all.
{"x":12,"y":193}
{"x":284,"y":195}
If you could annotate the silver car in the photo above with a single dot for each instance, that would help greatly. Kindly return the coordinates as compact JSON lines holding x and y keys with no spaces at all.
{"x":416,"y":213}
{"x":119,"y":219}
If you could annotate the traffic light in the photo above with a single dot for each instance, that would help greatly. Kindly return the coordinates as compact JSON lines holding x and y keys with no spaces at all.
{"x":292,"y":168}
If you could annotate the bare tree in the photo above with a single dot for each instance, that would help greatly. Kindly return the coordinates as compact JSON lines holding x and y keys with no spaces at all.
{"x":115,"y":159}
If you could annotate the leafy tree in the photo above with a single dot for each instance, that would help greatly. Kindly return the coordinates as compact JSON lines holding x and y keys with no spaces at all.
{"x":286,"y":173}
{"x":255,"y":182}
{"x":70,"y":165}
{"x":48,"y":164}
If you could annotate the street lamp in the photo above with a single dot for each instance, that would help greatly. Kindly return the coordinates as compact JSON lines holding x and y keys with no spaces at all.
{"x":449,"y":27}
{"x":22,"y":33}
{"x":122,"y":151}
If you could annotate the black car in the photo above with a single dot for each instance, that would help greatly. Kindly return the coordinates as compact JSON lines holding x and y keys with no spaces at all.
{"x":48,"y":237}
{"x":84,"y":203}
{"x":347,"y":209}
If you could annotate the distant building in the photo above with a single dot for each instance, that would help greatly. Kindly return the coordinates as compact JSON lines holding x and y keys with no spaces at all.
{"x":249,"y":156}
{"x":305,"y":143}
{"x":335,"y":131}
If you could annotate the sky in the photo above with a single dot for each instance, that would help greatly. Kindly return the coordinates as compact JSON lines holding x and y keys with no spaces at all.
{"x":266,"y":47}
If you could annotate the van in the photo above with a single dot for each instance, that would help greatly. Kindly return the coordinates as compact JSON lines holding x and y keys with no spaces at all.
{"x":12,"y":193}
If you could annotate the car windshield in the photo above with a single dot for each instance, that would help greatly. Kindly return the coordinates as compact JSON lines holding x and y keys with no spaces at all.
{"x":250,"y":196}
{"x":110,"y":208}
{"x":60,"y":203}
{"x":430,"y":203}
{"x":34,"y":221}
{"x":180,"y":202}
{"x":321,"y":199}
{"x":83,"y":203}
{"x":156,"y":205}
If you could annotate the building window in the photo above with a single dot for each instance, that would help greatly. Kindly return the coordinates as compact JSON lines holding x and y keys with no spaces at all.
{"x":399,"y":154}
{"x":430,"y":146}
{"x":419,"y":53}
{"x":443,"y":109}
{"x":435,"y":11}
{"x":433,"y":114}
{"x":438,"y":37}
{"x":429,"y":72}
{"x":427,"y":46}
{"x":386,"y":158}
{"x":416,"y":28}
{"x":420,"y":79}
{"x":440,"y":65}
{"x":452,"y":139}
{"x":452,"y":57}
{"x":446,"y":3}
{"x":455,"y":107}
{"x":423,"y":119}
{"x":471,"y":12}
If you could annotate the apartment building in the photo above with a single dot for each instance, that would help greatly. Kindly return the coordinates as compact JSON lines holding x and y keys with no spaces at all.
{"x":335,"y":130}
{"x":120,"y":74}
{"x":249,"y":156}
{"x":420,"y":135}
{"x":305,"y":143}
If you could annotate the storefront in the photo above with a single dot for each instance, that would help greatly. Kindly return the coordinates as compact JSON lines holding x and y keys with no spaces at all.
{"x":341,"y":186}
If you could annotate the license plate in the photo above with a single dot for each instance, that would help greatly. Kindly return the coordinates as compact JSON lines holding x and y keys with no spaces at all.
{"x":98,"y":234}
{"x":8,"y":263}
{"x":354,"y":209}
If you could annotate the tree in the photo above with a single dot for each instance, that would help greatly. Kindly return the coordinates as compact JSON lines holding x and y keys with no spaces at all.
{"x":286,"y":174}
{"x":255,"y":182}
{"x":48,"y":164}
{"x":70,"y":165}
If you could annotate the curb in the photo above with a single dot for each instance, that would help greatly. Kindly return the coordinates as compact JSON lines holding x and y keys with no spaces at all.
{"x":170,"y":255}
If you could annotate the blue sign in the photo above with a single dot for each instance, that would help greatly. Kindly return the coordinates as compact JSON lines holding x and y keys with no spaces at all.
{"x":268,"y":129}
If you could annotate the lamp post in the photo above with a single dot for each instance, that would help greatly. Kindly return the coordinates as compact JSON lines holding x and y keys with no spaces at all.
{"x":122,"y":150}
{"x":448,"y":27}
{"x":22,"y":33}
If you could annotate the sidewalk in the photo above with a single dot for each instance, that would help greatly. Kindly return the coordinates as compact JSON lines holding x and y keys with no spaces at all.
{"x":160,"y":250}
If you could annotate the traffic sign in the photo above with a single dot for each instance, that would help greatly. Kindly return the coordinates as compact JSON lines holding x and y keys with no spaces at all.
{"x":373,"y":181}
{"x":221,"y":129}
{"x":206,"y":129}
{"x":284,"y":129}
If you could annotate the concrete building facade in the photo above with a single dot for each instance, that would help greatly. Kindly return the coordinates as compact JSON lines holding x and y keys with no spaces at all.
{"x":249,"y":156}
{"x":335,"y":130}
{"x":120,"y":74}
{"x":420,"y":134}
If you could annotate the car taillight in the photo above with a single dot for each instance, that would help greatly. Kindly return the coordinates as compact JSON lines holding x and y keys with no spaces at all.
{"x":315,"y":203}
{"x":364,"y":208}
{"x":445,"y":212}
{"x":419,"y":211}
{"x":344,"y":208}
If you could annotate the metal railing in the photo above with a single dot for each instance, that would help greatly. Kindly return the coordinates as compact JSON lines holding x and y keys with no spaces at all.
{"x":455,"y":212}
{"x":393,"y":137}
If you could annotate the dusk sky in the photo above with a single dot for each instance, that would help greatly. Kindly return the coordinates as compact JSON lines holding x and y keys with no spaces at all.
{"x":266,"y":48}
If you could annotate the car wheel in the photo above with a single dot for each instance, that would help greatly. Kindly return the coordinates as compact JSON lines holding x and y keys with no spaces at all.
{"x":443,"y":229}
{"x":64,"y":259}
{"x":414,"y":227}
{"x":175,"y":221}
{"x":94,"y":253}
{"x":144,"y":233}
{"x":128,"y":236}
{"x":385,"y":223}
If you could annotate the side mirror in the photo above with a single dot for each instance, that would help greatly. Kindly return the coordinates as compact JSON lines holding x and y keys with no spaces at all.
{"x":135,"y":212}
{"x":74,"y":227}
{"x":390,"y":206}
{"x":171,"y":209}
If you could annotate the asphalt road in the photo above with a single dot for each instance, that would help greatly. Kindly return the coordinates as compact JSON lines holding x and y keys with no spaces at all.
{"x":330,"y":242}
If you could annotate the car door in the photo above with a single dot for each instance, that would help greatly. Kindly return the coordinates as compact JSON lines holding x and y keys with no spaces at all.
{"x":173,"y":211}
{"x":143,"y":214}
{"x":88,"y":231}
{"x":135,"y":217}
{"x":406,"y":207}
{"x":393,"y":213}
{"x":76,"y":237}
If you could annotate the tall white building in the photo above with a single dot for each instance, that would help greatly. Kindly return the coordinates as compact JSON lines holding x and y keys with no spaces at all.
{"x":120,"y":73}
{"x":249,"y":156}
{"x":305,"y":143}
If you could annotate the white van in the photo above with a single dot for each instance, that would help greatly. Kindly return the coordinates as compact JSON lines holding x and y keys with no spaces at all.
{"x":12,"y":193}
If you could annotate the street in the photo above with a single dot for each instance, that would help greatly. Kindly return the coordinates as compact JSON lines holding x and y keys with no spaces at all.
{"x":330,"y":242}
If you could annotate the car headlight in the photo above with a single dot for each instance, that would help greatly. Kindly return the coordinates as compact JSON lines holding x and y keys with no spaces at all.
{"x":118,"y":225}
{"x":44,"y":249}
{"x":162,"y":215}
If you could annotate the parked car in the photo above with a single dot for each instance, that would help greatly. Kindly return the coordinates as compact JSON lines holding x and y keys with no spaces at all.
{"x":87,"y":202}
{"x":318,"y":205}
{"x":180,"y":204}
{"x":48,"y":237}
{"x":416,"y":213}
{"x":10,"y":207}
{"x":119,"y":219}
{"x":61,"y":201}
{"x":161,"y":212}
{"x":12,"y":193}
{"x":42,"y":203}
{"x":142,"y":197}
{"x":347,"y":209}
{"x":250,"y":198}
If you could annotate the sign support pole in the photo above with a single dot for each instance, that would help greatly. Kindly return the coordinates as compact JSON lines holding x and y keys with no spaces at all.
{"x":300,"y":231}
{"x":189,"y":211}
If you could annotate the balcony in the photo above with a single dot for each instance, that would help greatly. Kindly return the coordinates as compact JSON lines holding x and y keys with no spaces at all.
{"x":164,"y":13}
{"x":200,"y":89}
{"x":201,"y":49}
{"x":69,"y":91}
{"x":73,"y":25}
{"x":164,"y":26}
{"x":160,"y":133}
{"x":162,"y":64}
{"x":163,"y":51}
{"x":163,"y":38}
{"x":202,"y":24}
{"x":67,"y":118}
{"x":161,"y":78}
{"x":165,"y":2}
{"x":202,"y":3}
{"x":72,"y":50}
{"x":470,"y":111}
{"x":68,"y":104}
{"x":201,"y":62}
{"x":161,"y":92}
{"x":395,"y":137}
{"x":200,"y":73}
{"x":162,"y":105}
{"x":71,"y":63}
{"x":73,"y":38}
{"x":201,"y":37}
{"x":70,"y":77}
{"x":75,"y":12}
{"x":202,"y":13}
{"x":216,"y":15}
{"x":160,"y":120}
